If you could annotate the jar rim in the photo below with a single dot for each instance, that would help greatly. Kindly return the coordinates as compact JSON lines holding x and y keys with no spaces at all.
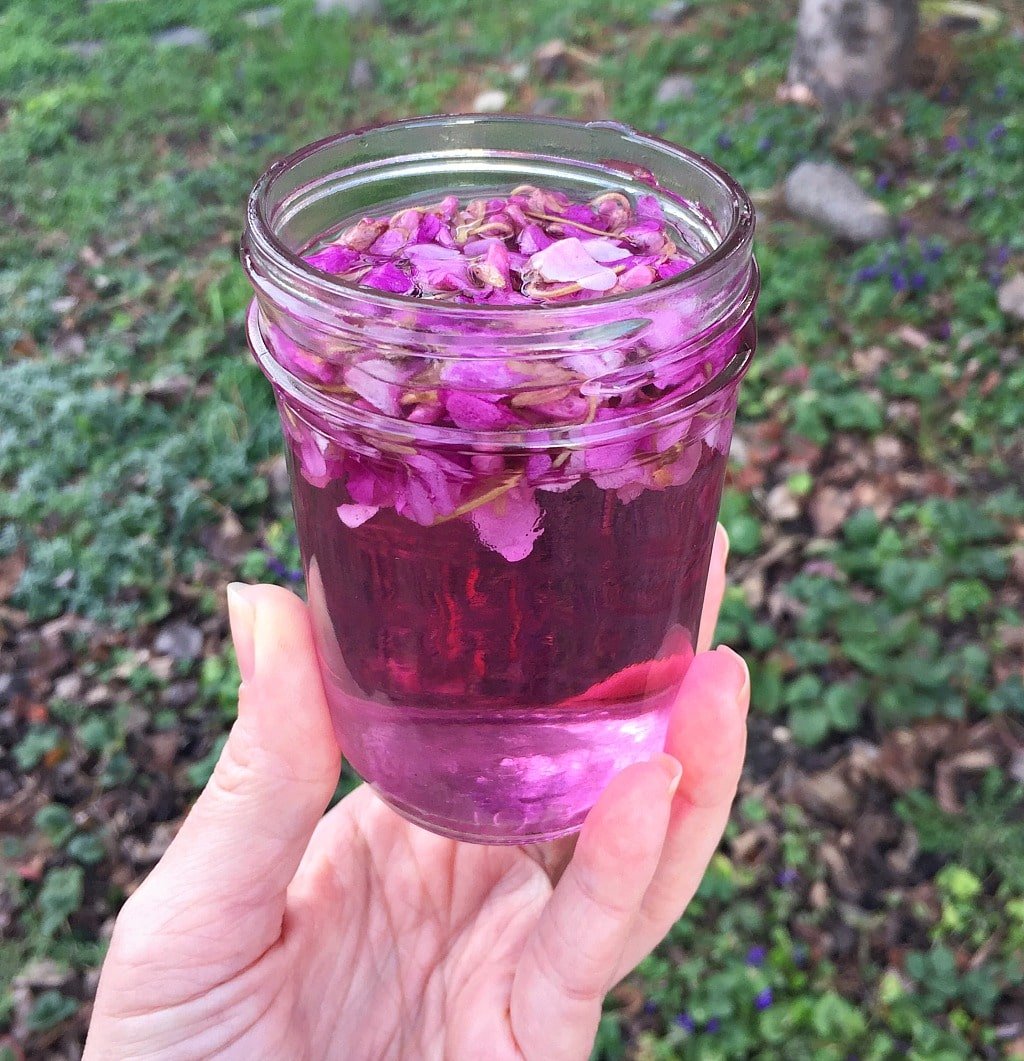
{"x":261,"y":238}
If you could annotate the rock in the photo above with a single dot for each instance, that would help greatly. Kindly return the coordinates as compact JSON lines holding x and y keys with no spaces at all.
{"x":354,"y":8}
{"x":68,"y":687}
{"x":519,"y":72}
{"x":781,"y":504}
{"x":263,"y":16}
{"x":360,"y":74}
{"x":675,"y":88}
{"x":1011,"y":296}
{"x":828,"y":195}
{"x":551,"y":60}
{"x":179,"y":640}
{"x":84,"y":49}
{"x":183,"y":37}
{"x":671,"y":13}
{"x":854,"y":50}
{"x":545,"y":107}
{"x":491,"y":101}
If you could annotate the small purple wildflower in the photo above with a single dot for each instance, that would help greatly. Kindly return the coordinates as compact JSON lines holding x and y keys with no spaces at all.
{"x":765,"y":144}
{"x":944,"y":331}
{"x":945,"y":94}
{"x":290,"y":574}
{"x":996,"y":133}
{"x":1000,"y":92}
{"x":883,"y":181}
{"x":685,"y":1021}
{"x":713,"y":1025}
{"x":972,"y":142}
{"x":799,"y":955}
{"x":724,"y":141}
{"x":918,"y":281}
{"x":953,"y":143}
{"x":787,"y":877}
{"x":763,"y":1000}
{"x":650,"y":1007}
{"x":868,"y":273}
{"x":756,"y":956}
{"x":1003,"y":254}
{"x":932,"y":252}
{"x":898,"y":278}
{"x":904,"y":226}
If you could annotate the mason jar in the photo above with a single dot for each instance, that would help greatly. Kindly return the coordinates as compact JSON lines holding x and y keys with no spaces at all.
{"x":505,"y":513}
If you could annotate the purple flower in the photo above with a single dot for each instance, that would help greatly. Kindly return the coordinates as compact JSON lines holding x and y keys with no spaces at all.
{"x":724,"y":141}
{"x":1002,"y":254}
{"x":388,"y":277}
{"x":763,"y":999}
{"x":883,"y":181}
{"x":787,"y":877}
{"x":867,"y":273}
{"x":1000,"y":92}
{"x":756,"y":956}
{"x":953,"y":143}
{"x":996,"y":133}
{"x":574,"y":261}
{"x":334,"y":259}
{"x":766,"y":143}
{"x":898,"y":278}
{"x":972,"y":142}
{"x":933,"y":252}
{"x":713,"y":1025}
{"x":650,"y":1007}
{"x":918,"y":281}
{"x":685,"y":1021}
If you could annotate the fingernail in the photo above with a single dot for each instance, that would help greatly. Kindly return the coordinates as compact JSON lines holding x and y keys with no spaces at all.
{"x":740,"y":674}
{"x":723,"y":537}
{"x":673,"y":770}
{"x":242,"y":614}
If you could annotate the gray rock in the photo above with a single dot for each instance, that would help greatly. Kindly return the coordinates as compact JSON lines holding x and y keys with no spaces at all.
{"x":360,"y":74}
{"x":179,"y":640}
{"x":490,"y":101}
{"x":857,"y":50}
{"x":545,"y":107}
{"x":263,"y":16}
{"x":675,"y":88}
{"x":829,"y":196}
{"x":84,"y":49}
{"x":355,"y":8}
{"x":671,"y":13}
{"x":1011,"y":296}
{"x":183,"y":37}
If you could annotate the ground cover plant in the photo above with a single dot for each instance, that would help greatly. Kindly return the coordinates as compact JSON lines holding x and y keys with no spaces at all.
{"x":869,"y":899}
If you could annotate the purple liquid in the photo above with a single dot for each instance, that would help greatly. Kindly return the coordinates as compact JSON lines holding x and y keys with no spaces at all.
{"x":493,"y":701}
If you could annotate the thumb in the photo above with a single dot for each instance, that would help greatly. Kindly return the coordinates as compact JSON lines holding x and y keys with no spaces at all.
{"x":238,"y":849}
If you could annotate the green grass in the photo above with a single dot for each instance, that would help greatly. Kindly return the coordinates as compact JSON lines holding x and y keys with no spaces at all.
{"x":135,"y":435}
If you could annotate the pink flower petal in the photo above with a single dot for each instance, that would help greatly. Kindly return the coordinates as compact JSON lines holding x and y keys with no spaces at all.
{"x":509,"y":524}
{"x":334,"y":259}
{"x":356,"y":515}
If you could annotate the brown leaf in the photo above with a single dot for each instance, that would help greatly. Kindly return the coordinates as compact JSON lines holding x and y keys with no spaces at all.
{"x":828,"y":510}
{"x":11,"y":569}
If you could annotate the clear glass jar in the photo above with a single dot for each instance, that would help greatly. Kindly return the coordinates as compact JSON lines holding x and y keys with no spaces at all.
{"x":503,"y":614}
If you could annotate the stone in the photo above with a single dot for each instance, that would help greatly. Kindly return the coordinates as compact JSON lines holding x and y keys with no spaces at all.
{"x":781,"y":504}
{"x":545,"y":107}
{"x":179,"y":640}
{"x":183,"y":37}
{"x":84,"y":49}
{"x":263,"y":16}
{"x":360,"y":74}
{"x":353,"y":8}
{"x":674,"y":88}
{"x":671,"y":13}
{"x":1011,"y":296}
{"x":854,"y":50}
{"x":828,"y":196}
{"x":490,"y":101}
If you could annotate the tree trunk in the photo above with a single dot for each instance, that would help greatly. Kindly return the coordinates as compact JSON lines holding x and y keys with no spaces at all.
{"x":853,"y":50}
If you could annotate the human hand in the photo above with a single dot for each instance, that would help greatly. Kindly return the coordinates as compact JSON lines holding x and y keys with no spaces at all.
{"x":269,"y":930}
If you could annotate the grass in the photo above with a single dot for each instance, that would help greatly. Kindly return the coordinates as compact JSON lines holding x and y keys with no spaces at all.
{"x":875,"y":506}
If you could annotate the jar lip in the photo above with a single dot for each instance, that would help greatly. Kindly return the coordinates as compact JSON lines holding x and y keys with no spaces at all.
{"x":260,"y":236}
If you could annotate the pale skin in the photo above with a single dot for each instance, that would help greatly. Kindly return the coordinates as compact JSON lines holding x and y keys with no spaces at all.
{"x":271,"y":930}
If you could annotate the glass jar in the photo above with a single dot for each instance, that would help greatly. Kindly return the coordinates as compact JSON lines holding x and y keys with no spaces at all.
{"x":504,"y":610}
